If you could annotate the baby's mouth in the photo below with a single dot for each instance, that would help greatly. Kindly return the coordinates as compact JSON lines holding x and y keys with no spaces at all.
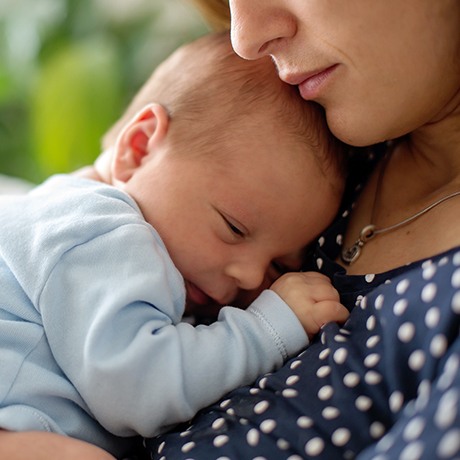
{"x":197,"y":296}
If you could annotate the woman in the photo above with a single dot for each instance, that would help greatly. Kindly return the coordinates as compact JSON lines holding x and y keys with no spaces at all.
{"x":387,"y":384}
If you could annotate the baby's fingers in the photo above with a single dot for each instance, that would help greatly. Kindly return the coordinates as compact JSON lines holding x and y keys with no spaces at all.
{"x":329,"y":310}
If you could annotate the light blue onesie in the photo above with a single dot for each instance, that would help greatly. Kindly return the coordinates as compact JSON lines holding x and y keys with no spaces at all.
{"x":91,"y":339}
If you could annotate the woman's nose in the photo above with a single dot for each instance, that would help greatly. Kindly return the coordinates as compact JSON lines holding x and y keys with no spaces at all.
{"x":257,"y":27}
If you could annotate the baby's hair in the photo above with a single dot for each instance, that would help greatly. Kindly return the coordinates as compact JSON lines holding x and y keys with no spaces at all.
{"x":206,"y":81}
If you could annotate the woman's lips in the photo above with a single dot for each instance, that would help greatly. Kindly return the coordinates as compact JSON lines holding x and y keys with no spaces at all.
{"x":311,"y":85}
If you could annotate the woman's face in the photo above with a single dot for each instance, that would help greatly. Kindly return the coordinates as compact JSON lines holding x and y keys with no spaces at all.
{"x":380,"y":69}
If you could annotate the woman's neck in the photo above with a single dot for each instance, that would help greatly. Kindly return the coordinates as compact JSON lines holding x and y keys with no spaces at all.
{"x":434,"y":149}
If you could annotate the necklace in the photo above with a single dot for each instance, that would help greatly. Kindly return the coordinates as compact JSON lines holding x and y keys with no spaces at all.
{"x":369,"y":231}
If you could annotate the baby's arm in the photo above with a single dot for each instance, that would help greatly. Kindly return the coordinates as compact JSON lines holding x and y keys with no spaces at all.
{"x":312,"y":298}
{"x":39,"y":445}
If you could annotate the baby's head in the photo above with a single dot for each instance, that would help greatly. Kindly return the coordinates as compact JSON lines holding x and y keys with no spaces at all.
{"x":234,"y":170}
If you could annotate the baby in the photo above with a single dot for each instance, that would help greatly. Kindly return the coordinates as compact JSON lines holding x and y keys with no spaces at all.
{"x":211,"y":190}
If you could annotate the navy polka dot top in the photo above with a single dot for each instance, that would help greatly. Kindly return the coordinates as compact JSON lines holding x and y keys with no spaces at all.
{"x":384,"y":386}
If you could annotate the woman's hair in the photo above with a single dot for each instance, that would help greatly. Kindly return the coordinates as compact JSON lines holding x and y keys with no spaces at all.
{"x":215,"y":12}
{"x":206,"y":88}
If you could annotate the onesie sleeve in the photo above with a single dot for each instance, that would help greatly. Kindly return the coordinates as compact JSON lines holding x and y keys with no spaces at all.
{"x":112,"y":308}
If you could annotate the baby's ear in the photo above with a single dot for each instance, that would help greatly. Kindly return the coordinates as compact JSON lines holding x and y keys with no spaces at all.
{"x":137,"y":139}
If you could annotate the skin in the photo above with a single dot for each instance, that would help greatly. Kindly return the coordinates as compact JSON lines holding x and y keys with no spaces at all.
{"x":393,"y":70}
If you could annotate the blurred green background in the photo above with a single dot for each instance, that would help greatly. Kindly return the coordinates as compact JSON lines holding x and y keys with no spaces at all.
{"x":68,"y":68}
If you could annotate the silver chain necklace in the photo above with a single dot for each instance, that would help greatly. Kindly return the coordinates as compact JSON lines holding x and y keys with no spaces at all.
{"x":369,"y":231}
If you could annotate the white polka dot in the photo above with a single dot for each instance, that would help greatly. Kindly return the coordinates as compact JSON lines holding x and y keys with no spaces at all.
{"x":319,"y":263}
{"x":432,"y":317}
{"x":284,"y":445}
{"x":188,"y":447}
{"x":402,"y":286}
{"x":385,"y":443}
{"x":184,"y":434}
{"x":429,"y":272}
{"x":325,"y":393}
{"x":456,"y":258}
{"x":363,"y":403}
{"x":292,"y":379}
{"x":261,"y":407}
{"x":371,"y":360}
{"x":314,"y":447}
{"x":254,"y":391}
{"x":321,"y":241}
{"x":230,"y":411}
{"x":423,"y":394}
{"x":161,"y":447}
{"x":340,"y":355}
{"x":325,"y":353}
{"x":372,"y":341}
{"x":359,"y":302}
{"x":438,"y":346}
{"x":218,"y":423}
{"x":456,"y":279}
{"x":294,"y":457}
{"x":443,"y":261}
{"x":370,"y":323}
{"x":377,"y":430}
{"x":450,"y":373}
{"x":267,"y":426}
{"x":400,"y":307}
{"x":416,"y":360}
{"x":340,"y":436}
{"x":304,"y":422}
{"x":369,"y":278}
{"x":225,"y":403}
{"x":379,"y":302}
{"x":345,"y":213}
{"x":427,"y":263}
{"x":323,"y":371}
{"x":446,"y":412}
{"x":406,"y":332}
{"x":262,"y":382}
{"x":429,"y":292}
{"x":295,"y":364}
{"x":330,"y":413}
{"x":414,"y":429}
{"x":412,"y":451}
{"x":456,"y":303}
{"x":396,"y":401}
{"x":252,"y":437}
{"x":290,"y":393}
{"x":340,"y":338}
{"x":449,"y":445}
{"x":339,"y":239}
{"x":220,"y":440}
{"x":372,"y":378}
{"x":351,"y":379}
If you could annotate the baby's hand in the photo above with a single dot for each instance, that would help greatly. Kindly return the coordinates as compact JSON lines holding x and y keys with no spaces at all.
{"x":312,"y":298}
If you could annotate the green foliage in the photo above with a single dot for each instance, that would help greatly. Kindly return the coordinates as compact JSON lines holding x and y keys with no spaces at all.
{"x":75,"y":99}
{"x":68,"y":68}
